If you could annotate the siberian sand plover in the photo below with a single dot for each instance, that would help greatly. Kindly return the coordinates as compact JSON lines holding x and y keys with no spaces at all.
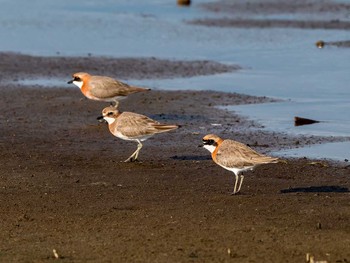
{"x":103,"y":88}
{"x":234,"y":156}
{"x":133,"y":127}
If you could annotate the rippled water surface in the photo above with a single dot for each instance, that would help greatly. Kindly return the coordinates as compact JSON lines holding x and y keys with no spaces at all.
{"x":280,"y":63}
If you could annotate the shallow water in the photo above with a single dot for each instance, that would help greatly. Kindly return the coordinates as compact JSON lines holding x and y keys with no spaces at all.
{"x":280,"y":63}
{"x":279,"y":116}
{"x":338,"y":150}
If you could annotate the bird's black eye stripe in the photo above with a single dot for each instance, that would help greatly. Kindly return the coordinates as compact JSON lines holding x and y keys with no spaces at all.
{"x":77,"y":79}
{"x":208,"y":142}
{"x":109,"y":113}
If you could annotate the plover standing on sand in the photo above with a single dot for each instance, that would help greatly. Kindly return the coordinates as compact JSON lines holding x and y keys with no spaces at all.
{"x":103,"y":88}
{"x":133,"y":127}
{"x":234,"y":156}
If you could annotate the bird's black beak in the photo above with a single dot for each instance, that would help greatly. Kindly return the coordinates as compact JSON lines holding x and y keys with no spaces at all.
{"x":99,"y":117}
{"x":201,"y":145}
{"x":70,"y":82}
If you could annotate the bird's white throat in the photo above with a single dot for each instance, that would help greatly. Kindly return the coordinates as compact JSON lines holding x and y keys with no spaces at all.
{"x":210,"y":148}
{"x":78,"y":84}
{"x":109,"y":119}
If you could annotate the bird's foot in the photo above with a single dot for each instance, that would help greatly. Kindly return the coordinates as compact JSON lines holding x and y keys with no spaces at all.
{"x":131,"y":160}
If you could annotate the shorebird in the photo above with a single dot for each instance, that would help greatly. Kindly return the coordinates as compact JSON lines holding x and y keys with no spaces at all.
{"x":234,"y":156}
{"x":133,"y":127}
{"x":103,"y":88}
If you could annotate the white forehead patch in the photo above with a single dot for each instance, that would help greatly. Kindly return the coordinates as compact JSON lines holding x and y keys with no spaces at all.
{"x":109,"y":119}
{"x":78,"y":83}
{"x":210,"y":148}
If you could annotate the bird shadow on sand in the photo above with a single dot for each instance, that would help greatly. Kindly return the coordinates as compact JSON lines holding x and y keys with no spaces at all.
{"x":191,"y":157}
{"x":316,"y":189}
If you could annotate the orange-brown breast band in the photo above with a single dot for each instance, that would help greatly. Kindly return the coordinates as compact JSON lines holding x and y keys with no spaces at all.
{"x":84,"y":89}
{"x":213,"y":155}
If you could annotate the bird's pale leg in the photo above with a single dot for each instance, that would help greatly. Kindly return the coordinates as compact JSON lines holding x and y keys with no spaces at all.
{"x":131,"y":158}
{"x":234,"y":189}
{"x":116,"y":104}
{"x":139,"y":146}
{"x":135,"y":154}
{"x":240,"y":184}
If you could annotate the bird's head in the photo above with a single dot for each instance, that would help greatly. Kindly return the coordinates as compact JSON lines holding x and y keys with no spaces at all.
{"x":79,"y":79}
{"x":211,"y":141}
{"x":109,"y":114}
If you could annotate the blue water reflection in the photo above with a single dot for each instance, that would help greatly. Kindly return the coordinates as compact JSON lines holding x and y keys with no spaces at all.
{"x":278,"y":62}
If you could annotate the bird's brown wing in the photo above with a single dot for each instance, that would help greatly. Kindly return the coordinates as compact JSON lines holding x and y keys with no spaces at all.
{"x":134,"y":125}
{"x":236,"y":154}
{"x":106,"y":87}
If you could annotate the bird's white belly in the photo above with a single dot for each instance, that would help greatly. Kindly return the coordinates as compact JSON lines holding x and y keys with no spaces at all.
{"x":238,"y":170}
{"x":135,"y":138}
{"x":113,"y":99}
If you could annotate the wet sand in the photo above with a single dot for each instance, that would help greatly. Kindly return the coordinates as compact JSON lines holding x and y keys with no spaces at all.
{"x":315,"y":7}
{"x":63,"y":185}
{"x":271,"y":23}
{"x":323,"y":14}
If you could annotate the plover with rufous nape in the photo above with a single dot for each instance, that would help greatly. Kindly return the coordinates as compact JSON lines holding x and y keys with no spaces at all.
{"x":235,"y":157}
{"x":103,"y":88}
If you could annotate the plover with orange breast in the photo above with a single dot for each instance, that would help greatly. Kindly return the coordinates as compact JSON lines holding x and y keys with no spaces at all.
{"x":234,"y":156}
{"x":133,"y":127}
{"x":103,"y":88}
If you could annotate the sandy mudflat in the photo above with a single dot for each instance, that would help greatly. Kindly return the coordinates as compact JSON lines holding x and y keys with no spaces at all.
{"x":241,"y":14}
{"x":63,"y":187}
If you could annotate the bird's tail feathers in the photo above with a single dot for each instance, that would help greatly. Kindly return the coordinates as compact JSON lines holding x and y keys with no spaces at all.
{"x":139,"y":89}
{"x":268,"y":159}
{"x":165,"y":127}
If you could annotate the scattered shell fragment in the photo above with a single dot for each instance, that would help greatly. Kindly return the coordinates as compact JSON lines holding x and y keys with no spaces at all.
{"x":55,"y":254}
{"x":319,"y":164}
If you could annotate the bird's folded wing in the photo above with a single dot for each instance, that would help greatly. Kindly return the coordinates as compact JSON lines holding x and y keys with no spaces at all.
{"x":235,"y":154}
{"x":134,"y":125}
{"x":108,"y":88}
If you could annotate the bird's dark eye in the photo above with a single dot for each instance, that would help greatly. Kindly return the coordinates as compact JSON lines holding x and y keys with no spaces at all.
{"x":110,"y":113}
{"x":77,"y":79}
{"x":208,"y":142}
